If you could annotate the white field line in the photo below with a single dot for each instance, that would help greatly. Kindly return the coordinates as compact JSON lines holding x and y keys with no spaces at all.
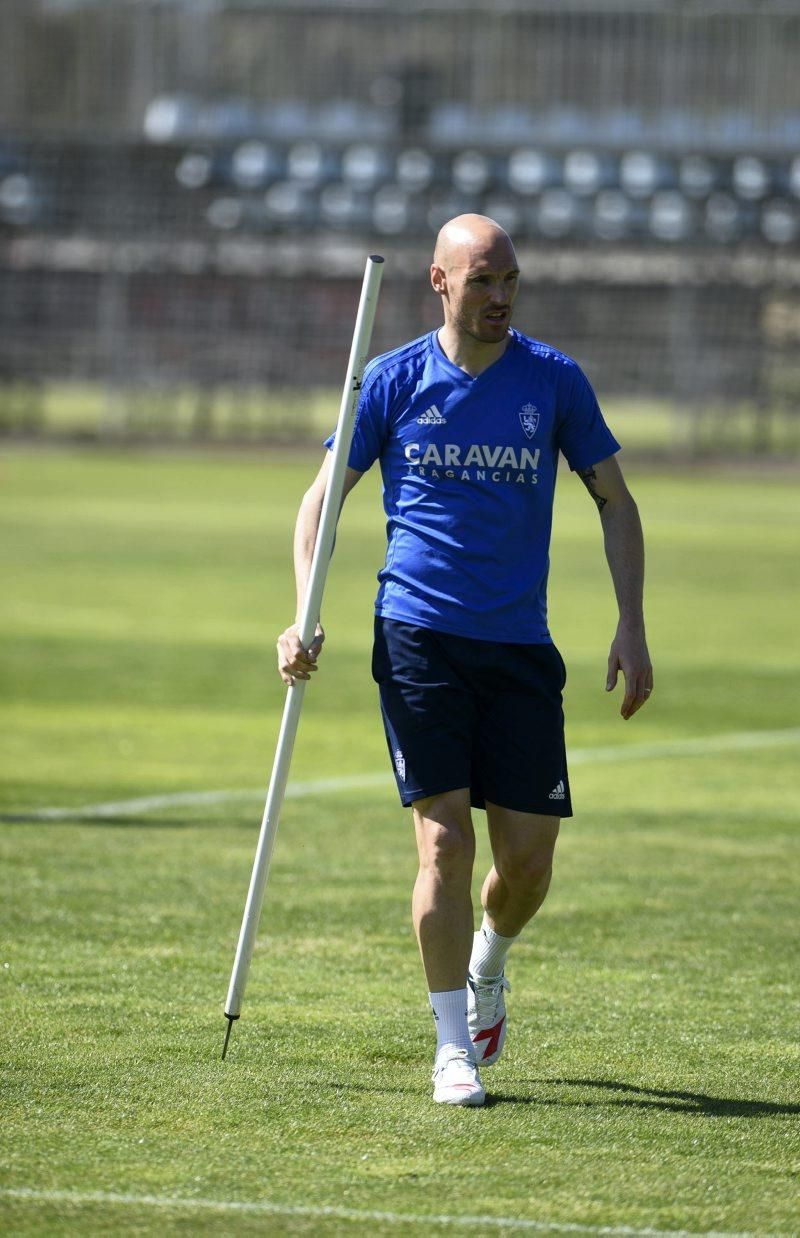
{"x":703,"y":745}
{"x":265,"y":1208}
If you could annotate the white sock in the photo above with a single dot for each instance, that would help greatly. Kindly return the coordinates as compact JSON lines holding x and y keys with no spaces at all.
{"x":489,"y":952}
{"x":450,"y":1012}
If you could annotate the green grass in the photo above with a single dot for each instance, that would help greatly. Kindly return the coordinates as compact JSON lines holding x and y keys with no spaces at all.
{"x":650,"y":1079}
{"x":97,"y":412}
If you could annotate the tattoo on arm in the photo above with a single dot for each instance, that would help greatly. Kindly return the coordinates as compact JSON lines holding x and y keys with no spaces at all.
{"x":589,"y":479}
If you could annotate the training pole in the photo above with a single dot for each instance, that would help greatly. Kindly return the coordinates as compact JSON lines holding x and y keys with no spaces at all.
{"x":312,"y":606}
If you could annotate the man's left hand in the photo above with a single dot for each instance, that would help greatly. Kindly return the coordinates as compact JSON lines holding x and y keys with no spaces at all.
{"x":629,"y":655}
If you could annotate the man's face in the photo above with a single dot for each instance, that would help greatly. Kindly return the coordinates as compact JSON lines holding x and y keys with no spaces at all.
{"x":479,"y":288}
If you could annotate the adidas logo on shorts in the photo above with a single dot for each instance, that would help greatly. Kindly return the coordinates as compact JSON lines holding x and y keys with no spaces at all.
{"x":558,"y":793}
{"x":432,"y":417}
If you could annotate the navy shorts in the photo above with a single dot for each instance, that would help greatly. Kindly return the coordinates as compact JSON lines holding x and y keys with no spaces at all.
{"x":473,"y":713}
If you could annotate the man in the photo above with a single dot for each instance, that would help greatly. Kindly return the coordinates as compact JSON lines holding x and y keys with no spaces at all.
{"x":467,"y":424}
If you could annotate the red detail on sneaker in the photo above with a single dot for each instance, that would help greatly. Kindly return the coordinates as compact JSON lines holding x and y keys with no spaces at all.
{"x":492,"y":1037}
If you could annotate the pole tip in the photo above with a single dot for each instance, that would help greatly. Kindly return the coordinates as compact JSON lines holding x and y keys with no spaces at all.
{"x":375,"y":258}
{"x":231,"y":1020}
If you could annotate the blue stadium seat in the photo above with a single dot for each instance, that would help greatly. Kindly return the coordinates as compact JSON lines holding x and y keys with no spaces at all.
{"x":643,"y":173}
{"x":614,"y":216}
{"x":195,"y":169}
{"x":471,"y":171}
{"x":558,"y":214}
{"x":415,"y":169}
{"x":290,"y":206}
{"x":254,"y":165}
{"x":586,"y":172}
{"x":530,"y":171}
{"x":365,"y":165}
{"x":724,"y":218}
{"x":698,"y":176}
{"x":343,"y":206}
{"x":751,"y":177}
{"x":311,"y":164}
{"x":507,"y":211}
{"x":171,"y":118}
{"x":225,"y":213}
{"x":393,"y":211}
{"x":780,"y":222}
{"x":671,"y":216}
{"x":20,"y":200}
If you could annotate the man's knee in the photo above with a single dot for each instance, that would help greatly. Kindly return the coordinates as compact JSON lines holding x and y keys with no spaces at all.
{"x":523,"y":846}
{"x":445,"y":836}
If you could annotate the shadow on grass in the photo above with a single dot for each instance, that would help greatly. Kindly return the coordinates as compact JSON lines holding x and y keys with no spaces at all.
{"x":628,"y":1096}
{"x":116,"y":820}
{"x":693,"y":1104}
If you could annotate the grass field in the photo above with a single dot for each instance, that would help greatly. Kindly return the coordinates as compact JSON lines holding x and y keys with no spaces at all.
{"x":98,"y":413}
{"x":650,"y":1079}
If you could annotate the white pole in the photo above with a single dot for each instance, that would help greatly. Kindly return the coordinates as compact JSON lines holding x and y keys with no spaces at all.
{"x":312,"y":606}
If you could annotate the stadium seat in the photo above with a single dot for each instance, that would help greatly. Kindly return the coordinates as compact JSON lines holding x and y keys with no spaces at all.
{"x":390,"y":210}
{"x":19,"y":200}
{"x":225,"y":213}
{"x":471,"y":171}
{"x":724,"y":218}
{"x":780,"y":224}
{"x":365,"y":165}
{"x":343,"y":206}
{"x":254,"y":165}
{"x":751,"y":177}
{"x":698,"y":175}
{"x":643,"y":173}
{"x":507,"y":211}
{"x":613,"y":216}
{"x":530,"y":171}
{"x":586,"y":172}
{"x":557,"y":214}
{"x":170,"y":118}
{"x":415,"y":169}
{"x":311,"y":164}
{"x":671,"y":217}
{"x":195,"y":169}
{"x":289,"y":205}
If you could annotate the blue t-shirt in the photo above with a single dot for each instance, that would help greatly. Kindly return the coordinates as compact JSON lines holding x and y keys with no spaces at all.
{"x":469,"y":470}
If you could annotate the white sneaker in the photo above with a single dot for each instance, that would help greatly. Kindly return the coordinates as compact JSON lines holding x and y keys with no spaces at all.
{"x":455,"y":1078}
{"x":486,"y":1015}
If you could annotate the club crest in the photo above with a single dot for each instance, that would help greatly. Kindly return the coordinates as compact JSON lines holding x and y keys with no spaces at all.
{"x":529,"y":419}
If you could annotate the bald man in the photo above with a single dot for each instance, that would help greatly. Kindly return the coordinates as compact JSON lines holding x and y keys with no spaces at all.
{"x":467,"y":423}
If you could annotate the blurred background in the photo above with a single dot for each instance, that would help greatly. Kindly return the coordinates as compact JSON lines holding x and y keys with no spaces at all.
{"x":188,"y":190}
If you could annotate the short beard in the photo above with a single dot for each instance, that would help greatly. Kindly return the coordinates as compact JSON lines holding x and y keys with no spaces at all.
{"x":462,"y":326}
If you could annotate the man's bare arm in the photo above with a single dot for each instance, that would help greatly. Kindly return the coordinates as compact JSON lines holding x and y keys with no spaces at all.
{"x":295,"y":662}
{"x":624,"y":547}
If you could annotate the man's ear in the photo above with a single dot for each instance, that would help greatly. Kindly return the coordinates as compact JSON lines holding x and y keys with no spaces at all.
{"x":438,"y":279}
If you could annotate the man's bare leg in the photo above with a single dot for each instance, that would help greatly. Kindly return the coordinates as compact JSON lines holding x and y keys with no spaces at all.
{"x":517,"y":883}
{"x":514,"y":890}
{"x":442,"y":910}
{"x":442,"y":901}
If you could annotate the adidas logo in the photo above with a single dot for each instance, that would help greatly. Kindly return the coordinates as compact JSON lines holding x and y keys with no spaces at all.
{"x":432,"y":417}
{"x":558,"y":793}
